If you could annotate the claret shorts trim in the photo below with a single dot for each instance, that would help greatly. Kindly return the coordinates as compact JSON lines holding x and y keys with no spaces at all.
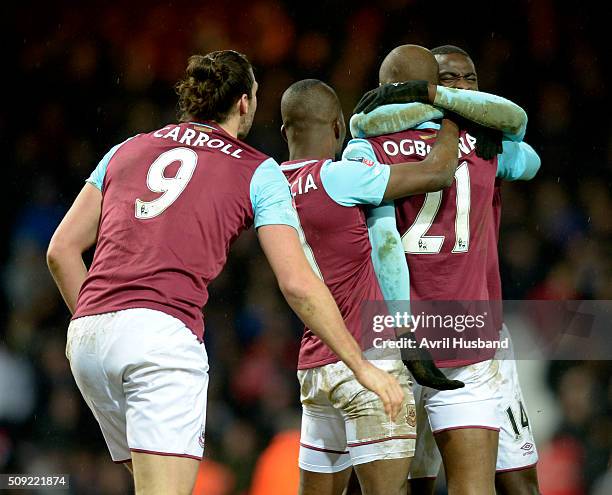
{"x":344,"y":424}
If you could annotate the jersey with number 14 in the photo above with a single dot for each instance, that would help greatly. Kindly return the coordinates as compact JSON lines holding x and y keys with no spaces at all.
{"x":173,"y":201}
{"x":444,"y":233}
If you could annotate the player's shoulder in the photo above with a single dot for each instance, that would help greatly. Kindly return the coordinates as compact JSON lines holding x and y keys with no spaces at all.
{"x":207,"y":137}
{"x":350,"y":169}
{"x":293,"y":168}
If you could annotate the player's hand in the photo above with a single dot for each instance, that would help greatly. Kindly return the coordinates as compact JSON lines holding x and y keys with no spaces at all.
{"x":384,"y":385}
{"x":401,"y":92}
{"x":427,"y":374}
{"x":423,"y":369}
{"x":488,"y":141}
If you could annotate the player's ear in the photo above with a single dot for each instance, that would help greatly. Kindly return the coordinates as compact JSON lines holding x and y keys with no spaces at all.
{"x":284,"y":133}
{"x":243,"y":104}
{"x":340,"y":129}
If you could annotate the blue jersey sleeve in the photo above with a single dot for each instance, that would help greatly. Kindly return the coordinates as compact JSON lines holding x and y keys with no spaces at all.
{"x":518,"y":161}
{"x":271,"y":197}
{"x":359,"y":149}
{"x":486,"y":109}
{"x":356,"y":181}
{"x":396,"y":117}
{"x":96,"y":178}
{"x":388,"y":254}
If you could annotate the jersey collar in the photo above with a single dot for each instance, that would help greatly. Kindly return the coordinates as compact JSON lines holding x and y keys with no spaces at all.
{"x":427,"y":125}
{"x":295,"y":164}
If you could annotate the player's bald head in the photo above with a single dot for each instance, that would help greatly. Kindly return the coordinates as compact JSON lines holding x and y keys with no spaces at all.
{"x":409,"y":63}
{"x":309,"y":102}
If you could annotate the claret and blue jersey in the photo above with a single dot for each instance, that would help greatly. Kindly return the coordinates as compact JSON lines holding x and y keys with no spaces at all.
{"x":445,"y":233}
{"x":173,"y":201}
{"x":333,"y":201}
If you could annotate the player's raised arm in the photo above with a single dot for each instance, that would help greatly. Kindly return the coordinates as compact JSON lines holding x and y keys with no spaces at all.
{"x":404,"y":179}
{"x":76,"y":234}
{"x":485,"y":109}
{"x":312,"y":302}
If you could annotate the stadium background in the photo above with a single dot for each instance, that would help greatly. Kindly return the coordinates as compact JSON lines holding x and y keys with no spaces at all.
{"x":82,"y":78}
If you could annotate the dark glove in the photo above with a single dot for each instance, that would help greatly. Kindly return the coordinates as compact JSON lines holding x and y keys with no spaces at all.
{"x":425,"y":372}
{"x":488,"y":141}
{"x":402,"y":92}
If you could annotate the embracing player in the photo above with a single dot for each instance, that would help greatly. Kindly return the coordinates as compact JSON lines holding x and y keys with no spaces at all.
{"x":344,"y":425}
{"x":163,"y":208}
{"x":445,"y":236}
{"x":517,"y":455}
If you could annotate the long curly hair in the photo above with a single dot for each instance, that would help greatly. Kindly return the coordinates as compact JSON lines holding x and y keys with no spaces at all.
{"x":212,"y":85}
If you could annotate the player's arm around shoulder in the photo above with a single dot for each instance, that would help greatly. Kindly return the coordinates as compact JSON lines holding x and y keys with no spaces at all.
{"x":485,"y":109}
{"x":357,"y":179}
{"x":76,"y":233}
{"x":518,"y":161}
{"x":311,"y":300}
{"x":306,"y":293}
{"x":432,"y":174}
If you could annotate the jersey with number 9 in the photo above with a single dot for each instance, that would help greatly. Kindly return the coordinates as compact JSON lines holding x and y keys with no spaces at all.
{"x":173,"y":201}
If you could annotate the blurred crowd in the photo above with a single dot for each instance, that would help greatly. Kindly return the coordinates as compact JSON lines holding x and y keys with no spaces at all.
{"x":84,"y":77}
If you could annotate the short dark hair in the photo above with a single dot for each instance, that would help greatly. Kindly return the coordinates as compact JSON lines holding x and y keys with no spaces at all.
{"x":309,"y":102}
{"x":448,"y":50}
{"x":212,"y":85}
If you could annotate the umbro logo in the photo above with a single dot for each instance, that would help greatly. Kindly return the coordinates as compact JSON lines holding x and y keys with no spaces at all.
{"x":201,"y":437}
{"x":527,"y":446}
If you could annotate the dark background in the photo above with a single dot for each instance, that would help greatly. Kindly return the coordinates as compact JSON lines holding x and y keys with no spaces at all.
{"x":81,"y":78}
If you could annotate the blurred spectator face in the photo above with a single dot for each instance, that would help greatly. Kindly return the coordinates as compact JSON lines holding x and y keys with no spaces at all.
{"x":554,"y":113}
{"x":457,"y":71}
{"x":576,"y":395}
{"x":64,"y":408}
{"x":240,"y":440}
{"x":53,"y":360}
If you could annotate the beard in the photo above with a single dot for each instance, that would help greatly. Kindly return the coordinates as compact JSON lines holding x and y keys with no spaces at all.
{"x":245,"y":125}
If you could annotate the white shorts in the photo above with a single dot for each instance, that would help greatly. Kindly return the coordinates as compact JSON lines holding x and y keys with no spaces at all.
{"x":474,"y":406}
{"x":344,"y":424}
{"x":144,"y":375}
{"x":515,"y":451}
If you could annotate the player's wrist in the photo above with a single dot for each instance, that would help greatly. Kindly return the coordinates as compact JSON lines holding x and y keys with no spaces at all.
{"x":432,"y":91}
{"x":448,"y":122}
{"x":352,"y":356}
{"x":357,"y":364}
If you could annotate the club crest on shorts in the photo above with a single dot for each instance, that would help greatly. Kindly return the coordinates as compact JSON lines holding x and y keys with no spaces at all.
{"x":201,"y":437}
{"x":411,"y":416}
